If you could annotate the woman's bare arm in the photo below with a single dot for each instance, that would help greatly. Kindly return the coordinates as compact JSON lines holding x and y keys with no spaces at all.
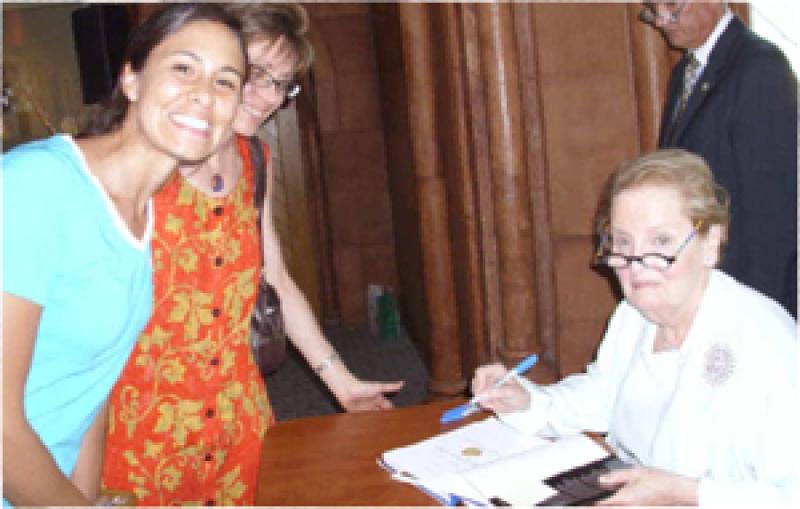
{"x":30,"y":475}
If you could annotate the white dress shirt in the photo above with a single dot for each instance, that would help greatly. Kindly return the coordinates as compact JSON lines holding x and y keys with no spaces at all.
{"x":704,"y":51}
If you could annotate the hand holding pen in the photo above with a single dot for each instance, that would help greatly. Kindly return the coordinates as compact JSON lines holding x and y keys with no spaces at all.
{"x":495,"y":389}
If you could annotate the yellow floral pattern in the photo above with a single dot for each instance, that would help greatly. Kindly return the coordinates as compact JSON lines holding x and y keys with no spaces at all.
{"x":188,"y":415}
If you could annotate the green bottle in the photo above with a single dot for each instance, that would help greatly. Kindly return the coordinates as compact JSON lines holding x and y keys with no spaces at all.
{"x":388,"y":315}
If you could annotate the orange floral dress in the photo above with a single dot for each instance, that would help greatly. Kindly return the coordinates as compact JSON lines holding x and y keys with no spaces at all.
{"x":188,"y":415}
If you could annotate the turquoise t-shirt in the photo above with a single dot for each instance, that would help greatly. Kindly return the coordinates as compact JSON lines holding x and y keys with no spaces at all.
{"x":66,"y":248}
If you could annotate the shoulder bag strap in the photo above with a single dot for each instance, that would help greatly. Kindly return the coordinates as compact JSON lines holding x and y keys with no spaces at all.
{"x":260,"y":185}
{"x":259,"y":172}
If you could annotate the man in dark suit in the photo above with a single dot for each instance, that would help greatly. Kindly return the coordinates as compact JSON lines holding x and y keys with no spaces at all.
{"x":737,"y":107}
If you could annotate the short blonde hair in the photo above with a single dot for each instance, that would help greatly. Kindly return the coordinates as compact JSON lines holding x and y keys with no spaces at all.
{"x":271,"y":21}
{"x":704,"y":200}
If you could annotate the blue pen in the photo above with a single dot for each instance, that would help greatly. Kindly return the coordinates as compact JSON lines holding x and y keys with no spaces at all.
{"x":459,"y":412}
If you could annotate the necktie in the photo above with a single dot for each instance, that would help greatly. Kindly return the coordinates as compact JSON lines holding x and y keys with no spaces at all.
{"x":690,"y":76}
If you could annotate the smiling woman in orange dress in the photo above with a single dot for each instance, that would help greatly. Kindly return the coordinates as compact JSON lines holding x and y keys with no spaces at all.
{"x":190,"y":410}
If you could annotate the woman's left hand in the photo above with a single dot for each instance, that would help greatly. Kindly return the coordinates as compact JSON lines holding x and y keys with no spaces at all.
{"x":648,"y":486}
{"x":359,"y":396}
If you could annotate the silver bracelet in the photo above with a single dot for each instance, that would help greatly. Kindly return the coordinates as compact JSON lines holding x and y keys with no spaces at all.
{"x":322,"y":366}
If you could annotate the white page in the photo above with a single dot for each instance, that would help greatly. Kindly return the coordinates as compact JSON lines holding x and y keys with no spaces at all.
{"x":462,"y":449}
{"x":517,"y":479}
{"x":453,"y":484}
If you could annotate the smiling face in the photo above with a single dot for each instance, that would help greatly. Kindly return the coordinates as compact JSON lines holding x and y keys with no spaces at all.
{"x":185,"y":97}
{"x":651,"y":218}
{"x":695,"y":22}
{"x":259,"y":103}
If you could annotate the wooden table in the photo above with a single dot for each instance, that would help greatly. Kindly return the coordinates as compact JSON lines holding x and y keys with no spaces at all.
{"x":331,"y":460}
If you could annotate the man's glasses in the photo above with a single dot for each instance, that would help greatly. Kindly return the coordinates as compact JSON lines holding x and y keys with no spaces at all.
{"x":650,"y":13}
{"x":261,"y":77}
{"x":655,"y":261}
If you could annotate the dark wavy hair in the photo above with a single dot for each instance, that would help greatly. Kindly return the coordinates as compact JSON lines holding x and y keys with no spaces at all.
{"x":162,"y":24}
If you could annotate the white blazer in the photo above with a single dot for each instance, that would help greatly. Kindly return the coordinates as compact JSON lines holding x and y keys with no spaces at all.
{"x":731,"y":418}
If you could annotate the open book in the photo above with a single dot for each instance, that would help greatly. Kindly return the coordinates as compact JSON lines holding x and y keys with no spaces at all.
{"x":490,"y":463}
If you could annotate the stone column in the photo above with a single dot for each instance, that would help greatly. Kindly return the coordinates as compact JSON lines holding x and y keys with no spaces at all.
{"x":651,"y":68}
{"x":512,"y":207}
{"x":447,"y":377}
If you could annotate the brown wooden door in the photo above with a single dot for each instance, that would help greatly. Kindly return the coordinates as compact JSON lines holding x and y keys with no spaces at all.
{"x":292,"y":204}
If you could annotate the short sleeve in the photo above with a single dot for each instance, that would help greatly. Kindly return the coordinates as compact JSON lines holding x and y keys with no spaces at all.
{"x":29,"y":250}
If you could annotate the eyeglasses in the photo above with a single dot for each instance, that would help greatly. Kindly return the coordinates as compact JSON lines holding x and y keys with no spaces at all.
{"x":655,"y":261}
{"x":650,"y":12}
{"x":261,"y":77}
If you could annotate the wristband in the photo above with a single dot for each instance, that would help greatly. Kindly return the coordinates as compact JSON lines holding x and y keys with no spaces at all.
{"x":322,"y":366}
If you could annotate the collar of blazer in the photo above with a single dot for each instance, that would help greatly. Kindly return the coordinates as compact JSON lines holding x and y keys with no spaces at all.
{"x":724,"y":52}
{"x":720,"y":61}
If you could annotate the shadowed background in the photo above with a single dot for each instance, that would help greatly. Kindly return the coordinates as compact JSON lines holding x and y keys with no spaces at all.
{"x":295,"y":391}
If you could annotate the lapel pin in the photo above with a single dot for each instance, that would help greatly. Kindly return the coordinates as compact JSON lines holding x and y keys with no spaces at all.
{"x":705,"y":86}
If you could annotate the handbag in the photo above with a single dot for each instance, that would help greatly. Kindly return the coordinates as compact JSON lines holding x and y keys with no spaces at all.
{"x":267,"y":332}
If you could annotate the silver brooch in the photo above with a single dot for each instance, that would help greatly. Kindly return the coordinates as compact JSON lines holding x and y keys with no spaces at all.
{"x":719,"y":365}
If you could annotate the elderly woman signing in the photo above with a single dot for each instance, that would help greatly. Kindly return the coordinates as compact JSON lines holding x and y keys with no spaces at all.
{"x":695,"y":381}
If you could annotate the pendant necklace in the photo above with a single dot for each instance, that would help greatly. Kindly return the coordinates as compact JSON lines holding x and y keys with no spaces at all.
{"x":217,"y":182}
